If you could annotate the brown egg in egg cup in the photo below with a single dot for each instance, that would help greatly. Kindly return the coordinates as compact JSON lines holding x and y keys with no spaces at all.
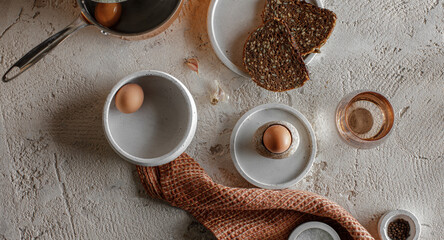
{"x":272,"y":142}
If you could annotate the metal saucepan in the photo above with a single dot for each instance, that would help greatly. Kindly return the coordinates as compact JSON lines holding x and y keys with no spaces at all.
{"x":140,"y":19}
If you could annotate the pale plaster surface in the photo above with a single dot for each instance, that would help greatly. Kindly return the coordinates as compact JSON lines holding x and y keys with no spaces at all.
{"x":59,"y":179}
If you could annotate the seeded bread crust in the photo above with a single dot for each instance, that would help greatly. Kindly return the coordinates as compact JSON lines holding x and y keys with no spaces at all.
{"x":310,"y":25}
{"x":272,"y":58}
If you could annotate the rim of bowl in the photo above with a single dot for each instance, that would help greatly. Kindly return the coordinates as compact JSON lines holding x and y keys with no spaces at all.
{"x":391,"y":215}
{"x":314,"y":225}
{"x":184,"y":142}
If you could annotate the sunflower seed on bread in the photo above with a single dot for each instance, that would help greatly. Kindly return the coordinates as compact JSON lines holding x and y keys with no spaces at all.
{"x":310,"y":25}
{"x":272,"y":58}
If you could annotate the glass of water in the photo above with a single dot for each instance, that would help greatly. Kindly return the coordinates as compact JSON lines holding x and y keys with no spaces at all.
{"x":364,"y":119}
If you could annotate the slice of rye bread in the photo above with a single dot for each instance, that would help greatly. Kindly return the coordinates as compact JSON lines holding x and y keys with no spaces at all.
{"x":310,"y":25}
{"x":272,"y":59}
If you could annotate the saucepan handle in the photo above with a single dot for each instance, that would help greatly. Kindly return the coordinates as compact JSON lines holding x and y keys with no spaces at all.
{"x":42,"y":49}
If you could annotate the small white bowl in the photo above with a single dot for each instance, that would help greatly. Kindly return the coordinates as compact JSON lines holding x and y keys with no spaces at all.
{"x":161,"y":129}
{"x":314,"y":225}
{"x":387,"y":218}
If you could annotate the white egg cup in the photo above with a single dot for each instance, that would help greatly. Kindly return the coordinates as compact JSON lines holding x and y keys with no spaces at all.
{"x":161,"y":129}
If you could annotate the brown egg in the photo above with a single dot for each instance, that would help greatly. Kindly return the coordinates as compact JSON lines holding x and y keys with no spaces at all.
{"x":129,"y":98}
{"x":277,"y":139}
{"x":108,"y":14}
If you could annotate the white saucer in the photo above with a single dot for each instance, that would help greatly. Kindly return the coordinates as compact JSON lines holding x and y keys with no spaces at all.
{"x":265,"y":172}
{"x":314,"y":225}
{"x":230,"y":22}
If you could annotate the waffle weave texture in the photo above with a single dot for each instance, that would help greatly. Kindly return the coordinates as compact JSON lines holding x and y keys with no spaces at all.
{"x":241,"y":213}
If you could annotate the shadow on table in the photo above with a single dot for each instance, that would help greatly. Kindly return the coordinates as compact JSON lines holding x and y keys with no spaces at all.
{"x":78,"y":126}
{"x":197,"y":231}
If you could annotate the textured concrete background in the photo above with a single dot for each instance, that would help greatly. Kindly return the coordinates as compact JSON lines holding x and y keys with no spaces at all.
{"x":60,"y":179}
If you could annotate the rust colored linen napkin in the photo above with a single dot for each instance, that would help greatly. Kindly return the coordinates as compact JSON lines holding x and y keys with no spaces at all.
{"x":241,"y":213}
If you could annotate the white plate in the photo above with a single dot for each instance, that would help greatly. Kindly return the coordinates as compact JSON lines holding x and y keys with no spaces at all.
{"x":265,"y":172}
{"x":230,"y":22}
{"x":314,"y":225}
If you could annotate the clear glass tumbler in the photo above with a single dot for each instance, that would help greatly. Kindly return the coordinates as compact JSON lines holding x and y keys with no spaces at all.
{"x":364,"y":119}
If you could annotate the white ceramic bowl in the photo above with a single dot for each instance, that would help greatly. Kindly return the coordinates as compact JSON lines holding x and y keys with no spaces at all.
{"x":387,"y":218}
{"x":329,"y":231}
{"x":161,"y":129}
